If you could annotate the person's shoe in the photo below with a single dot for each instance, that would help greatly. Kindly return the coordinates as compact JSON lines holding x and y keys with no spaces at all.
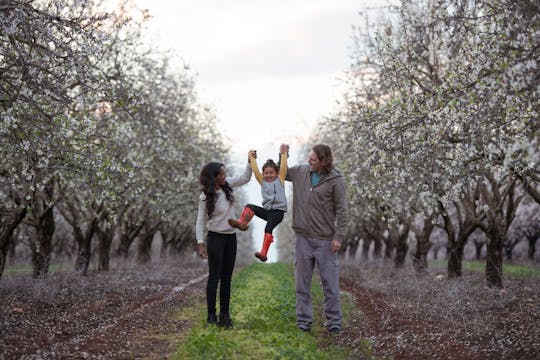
{"x":304,"y":328}
{"x":211,"y":319}
{"x":242,"y":222}
{"x":238,"y":225}
{"x":225,"y":320}
{"x":261,"y":255}
{"x":335,"y":330}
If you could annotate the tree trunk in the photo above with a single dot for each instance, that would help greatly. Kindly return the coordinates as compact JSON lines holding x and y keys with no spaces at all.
{"x":353,"y":248}
{"x":532,"y":246}
{"x":455,"y":253}
{"x":399,"y":238}
{"x":509,"y":250}
{"x":144,"y":250}
{"x":84,"y":243}
{"x":478,"y":246}
{"x":377,"y":248}
{"x":389,"y":248}
{"x":84,"y":249}
{"x":8,"y":224}
{"x":11,"y":248}
{"x":165,"y":244}
{"x":127,"y":236}
{"x":123,"y":246}
{"x":496,"y":235}
{"x":366,"y":243}
{"x":455,"y":260}
{"x":502,"y":205}
{"x":105,"y":239}
{"x":41,"y":249}
{"x":423,"y":245}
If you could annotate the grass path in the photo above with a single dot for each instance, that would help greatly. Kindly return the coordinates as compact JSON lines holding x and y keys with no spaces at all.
{"x":263,"y":311}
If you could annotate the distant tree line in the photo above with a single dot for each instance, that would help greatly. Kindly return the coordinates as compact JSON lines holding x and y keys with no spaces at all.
{"x":99,"y":135}
{"x":440,"y":129}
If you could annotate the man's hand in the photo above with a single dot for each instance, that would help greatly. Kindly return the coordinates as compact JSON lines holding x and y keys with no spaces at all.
{"x":284,"y":149}
{"x":252,"y":154}
{"x":202,"y":251}
{"x":335,"y":246}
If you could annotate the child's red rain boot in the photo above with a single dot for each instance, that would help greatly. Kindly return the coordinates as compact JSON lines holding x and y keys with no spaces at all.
{"x":242,"y":223}
{"x":268,"y":239}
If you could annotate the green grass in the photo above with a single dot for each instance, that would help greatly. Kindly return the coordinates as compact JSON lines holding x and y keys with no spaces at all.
{"x":513,"y":270}
{"x":263,"y":311}
{"x":21,"y":269}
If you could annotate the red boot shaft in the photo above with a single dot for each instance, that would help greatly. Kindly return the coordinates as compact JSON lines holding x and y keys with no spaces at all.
{"x":262,"y":255}
{"x":242,"y":222}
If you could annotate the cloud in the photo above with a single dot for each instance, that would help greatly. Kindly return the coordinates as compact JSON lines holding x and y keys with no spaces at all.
{"x":274,"y":63}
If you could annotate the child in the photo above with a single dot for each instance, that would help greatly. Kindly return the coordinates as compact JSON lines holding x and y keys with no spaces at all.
{"x":274,"y":202}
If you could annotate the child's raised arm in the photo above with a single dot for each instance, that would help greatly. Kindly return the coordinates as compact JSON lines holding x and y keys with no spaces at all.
{"x":255,"y":169}
{"x":283,"y":166}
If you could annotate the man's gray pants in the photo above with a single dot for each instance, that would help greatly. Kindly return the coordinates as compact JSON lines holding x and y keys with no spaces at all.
{"x":308,"y":252}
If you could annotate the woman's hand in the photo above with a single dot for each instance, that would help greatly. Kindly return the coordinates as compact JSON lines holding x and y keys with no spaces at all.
{"x":284,"y":149}
{"x":202,"y":251}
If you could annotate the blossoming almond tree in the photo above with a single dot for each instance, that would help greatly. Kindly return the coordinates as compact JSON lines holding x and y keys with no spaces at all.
{"x":93,"y":122}
{"x":454,"y":101}
{"x":49,"y":52}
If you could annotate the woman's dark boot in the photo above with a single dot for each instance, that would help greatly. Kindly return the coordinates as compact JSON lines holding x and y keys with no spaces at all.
{"x":225,"y":320}
{"x":211,"y":319}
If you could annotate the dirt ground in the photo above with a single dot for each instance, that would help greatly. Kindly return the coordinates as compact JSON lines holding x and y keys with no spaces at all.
{"x":412,"y":316}
{"x":126,"y":314}
{"x":121,"y":315}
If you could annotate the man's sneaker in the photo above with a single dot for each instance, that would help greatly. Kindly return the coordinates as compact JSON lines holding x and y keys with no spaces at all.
{"x":211,"y":319}
{"x":225,"y":320}
{"x":304,"y":328}
{"x":335,"y":330}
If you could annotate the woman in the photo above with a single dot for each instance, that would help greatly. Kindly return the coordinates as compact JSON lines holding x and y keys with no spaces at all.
{"x":215,"y":209}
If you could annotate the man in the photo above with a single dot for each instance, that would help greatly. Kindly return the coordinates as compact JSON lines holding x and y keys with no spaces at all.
{"x":319,"y":223}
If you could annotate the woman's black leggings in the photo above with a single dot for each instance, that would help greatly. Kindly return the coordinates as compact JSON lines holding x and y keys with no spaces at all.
{"x":272,"y":217}
{"x":221,"y":257}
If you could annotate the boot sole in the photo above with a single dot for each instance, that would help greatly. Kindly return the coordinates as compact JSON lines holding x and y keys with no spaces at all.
{"x":259,"y":256}
{"x":238,"y":225}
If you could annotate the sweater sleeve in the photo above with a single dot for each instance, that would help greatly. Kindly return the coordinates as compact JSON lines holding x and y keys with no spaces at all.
{"x":202,"y":220}
{"x":283,"y":167}
{"x":255,"y":169}
{"x":340,"y":199}
{"x":292,"y":172}
{"x":242,"y":179}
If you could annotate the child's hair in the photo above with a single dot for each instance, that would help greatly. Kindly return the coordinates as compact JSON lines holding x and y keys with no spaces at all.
{"x":272,"y":164}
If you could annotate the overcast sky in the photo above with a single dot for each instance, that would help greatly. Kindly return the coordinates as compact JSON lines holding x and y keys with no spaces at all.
{"x":270,"y":68}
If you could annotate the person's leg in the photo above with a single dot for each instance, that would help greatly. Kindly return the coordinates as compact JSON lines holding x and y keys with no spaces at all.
{"x":229,"y":258}
{"x":245,"y":218}
{"x":327,"y":264}
{"x":260,"y":212}
{"x":215,"y":248}
{"x":274,"y":217}
{"x":304,"y":264}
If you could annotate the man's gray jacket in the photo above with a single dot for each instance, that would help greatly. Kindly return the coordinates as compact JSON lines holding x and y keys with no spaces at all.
{"x":320,"y":211}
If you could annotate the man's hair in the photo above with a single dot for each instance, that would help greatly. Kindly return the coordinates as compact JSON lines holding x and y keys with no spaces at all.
{"x":324,"y":154}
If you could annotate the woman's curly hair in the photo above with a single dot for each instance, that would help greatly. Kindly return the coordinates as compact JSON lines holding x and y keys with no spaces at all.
{"x":207,"y":179}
